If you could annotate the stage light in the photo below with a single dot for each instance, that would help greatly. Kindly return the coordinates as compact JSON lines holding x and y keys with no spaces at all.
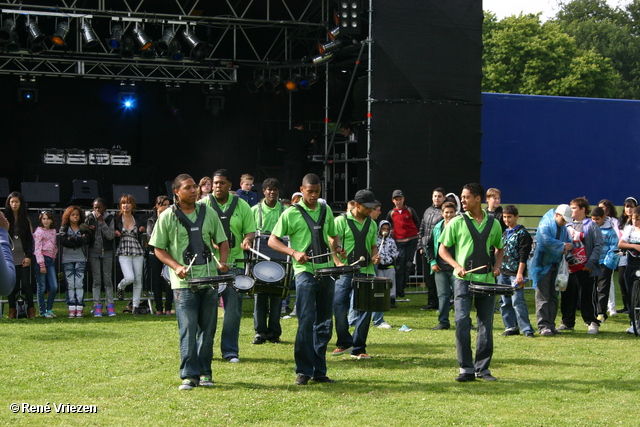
{"x":127,"y":47}
{"x":334,"y":33}
{"x":8,"y":27}
{"x":331,"y":46}
{"x":350,"y":16}
{"x":271,"y":83}
{"x":165,"y":41}
{"x":35,"y":35}
{"x":291,"y":84}
{"x":323,"y":59}
{"x":115,"y":37}
{"x":58,"y":38}
{"x":127,"y":95}
{"x":143,"y":39}
{"x":28,"y":90}
{"x":254,"y":85}
{"x":149,"y":53}
{"x":13,"y":44}
{"x":88,"y":35}
{"x":175,"y":51}
{"x":190,"y":37}
{"x":34,"y":48}
{"x":306,"y":81}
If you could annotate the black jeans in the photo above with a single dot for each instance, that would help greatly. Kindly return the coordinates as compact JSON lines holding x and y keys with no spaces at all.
{"x":158,"y":284}
{"x":23,"y":283}
{"x":581,"y":286}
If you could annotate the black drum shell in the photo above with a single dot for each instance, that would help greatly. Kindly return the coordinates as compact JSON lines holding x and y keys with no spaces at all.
{"x":371,"y":293}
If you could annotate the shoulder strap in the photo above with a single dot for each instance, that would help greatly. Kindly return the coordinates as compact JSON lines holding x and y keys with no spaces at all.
{"x":318,"y":245}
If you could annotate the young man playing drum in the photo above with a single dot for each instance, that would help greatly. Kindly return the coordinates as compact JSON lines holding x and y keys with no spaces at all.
{"x":267,"y":306}
{"x":237,"y":221}
{"x":311,"y":229}
{"x":472,"y":234}
{"x":359,"y":234}
{"x":197,"y":306}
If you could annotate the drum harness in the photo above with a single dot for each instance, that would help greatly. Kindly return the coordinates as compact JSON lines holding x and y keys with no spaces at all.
{"x":196,"y":241}
{"x":225,"y":218}
{"x":479,"y":256}
{"x":318,"y":245}
{"x":360,"y":238}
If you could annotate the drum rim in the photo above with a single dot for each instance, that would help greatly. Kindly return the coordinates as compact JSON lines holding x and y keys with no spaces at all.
{"x":212,"y":279}
{"x":372,"y":279}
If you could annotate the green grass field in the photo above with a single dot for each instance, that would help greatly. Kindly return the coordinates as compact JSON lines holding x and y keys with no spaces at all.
{"x":128,"y":368}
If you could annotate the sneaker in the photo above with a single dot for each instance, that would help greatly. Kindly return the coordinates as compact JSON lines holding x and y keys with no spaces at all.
{"x":593,"y":328}
{"x":233,"y":359}
{"x":111,"y":310}
{"x":205,"y":381}
{"x":564,"y":327}
{"x":338,"y":351}
{"x":528,"y":334}
{"x":440,"y":327}
{"x":486,"y":377}
{"x":79,"y":309}
{"x":159,"y":313}
{"x":259,"y":339}
{"x":188,"y":384}
{"x":97,"y":310}
{"x":135,"y":311}
{"x":72,"y":311}
{"x":405,"y":328}
{"x":361,"y":356}
{"x":463,"y":378}
{"x":613,"y":313}
{"x":168,"y":312}
{"x":510,"y":332}
{"x":120,"y":294}
{"x":631,"y":330}
{"x":384,"y":325}
{"x":50,"y":312}
{"x":302,"y":379}
{"x":546,"y":332}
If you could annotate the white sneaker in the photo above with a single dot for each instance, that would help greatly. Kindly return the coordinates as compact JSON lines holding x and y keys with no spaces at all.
{"x":233,"y":360}
{"x":631,"y":330}
{"x":384,"y":325}
{"x":613,"y":313}
{"x":593,"y":328}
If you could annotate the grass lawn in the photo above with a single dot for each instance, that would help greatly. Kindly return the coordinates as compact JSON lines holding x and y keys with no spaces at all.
{"x":128,"y":368}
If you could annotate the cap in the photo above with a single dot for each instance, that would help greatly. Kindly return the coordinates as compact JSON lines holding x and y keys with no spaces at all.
{"x":397,"y":193}
{"x":565,"y":211}
{"x":366,"y":198}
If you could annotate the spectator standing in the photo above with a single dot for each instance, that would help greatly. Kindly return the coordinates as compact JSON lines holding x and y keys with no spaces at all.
{"x":608,"y":260}
{"x":625,"y":220}
{"x":245,"y":192}
{"x":159,"y":284}
{"x":75,"y":235}
{"x":46,"y":249}
{"x":405,"y":232}
{"x":102,"y":225}
{"x":431,"y":217}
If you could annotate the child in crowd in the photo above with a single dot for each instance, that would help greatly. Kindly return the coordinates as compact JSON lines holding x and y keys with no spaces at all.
{"x":388,"y":251}
{"x":517,"y":244}
{"x":494,"y":209}
{"x":245,"y":192}
{"x":45,"y":251}
{"x":204,"y":187}
{"x":102,"y":226}
{"x":608,"y":259}
{"x":75,"y":234}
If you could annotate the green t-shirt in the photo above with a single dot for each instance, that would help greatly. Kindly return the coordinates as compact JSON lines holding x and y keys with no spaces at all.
{"x":169,"y":234}
{"x":349,"y":242}
{"x":241,"y":223}
{"x":292,"y":224}
{"x":269,"y":216}
{"x":457,"y":234}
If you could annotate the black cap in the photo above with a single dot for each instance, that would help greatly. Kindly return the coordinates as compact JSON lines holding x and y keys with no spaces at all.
{"x":397,"y":193}
{"x":366,"y":198}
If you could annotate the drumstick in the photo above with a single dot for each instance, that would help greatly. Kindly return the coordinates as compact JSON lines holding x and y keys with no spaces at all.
{"x":318,"y":256}
{"x":361,"y":259}
{"x":475,"y":269}
{"x":191,"y":263}
{"x":261,"y":255}
{"x":216,"y":260}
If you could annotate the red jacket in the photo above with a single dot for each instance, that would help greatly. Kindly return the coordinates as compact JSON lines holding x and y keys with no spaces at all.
{"x":405,"y":222}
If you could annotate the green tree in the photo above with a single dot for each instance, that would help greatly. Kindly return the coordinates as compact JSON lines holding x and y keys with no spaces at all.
{"x":522,"y":55}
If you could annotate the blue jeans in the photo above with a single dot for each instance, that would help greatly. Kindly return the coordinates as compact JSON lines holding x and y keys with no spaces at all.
{"x":341,"y":303}
{"x":485,"y":307}
{"x":404,"y":262}
{"x":48,"y":280}
{"x":74,"y":273}
{"x":197,"y":314}
{"x":267,"y":306}
{"x":314,"y":302}
{"x":514,"y":308}
{"x":444,"y":285}
{"x":231,"y":323}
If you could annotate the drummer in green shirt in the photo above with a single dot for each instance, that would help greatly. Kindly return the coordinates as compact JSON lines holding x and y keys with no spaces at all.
{"x":237,"y":221}
{"x":196,"y":306}
{"x":311,"y":229}
{"x":473,"y":234}
{"x":266,"y":309}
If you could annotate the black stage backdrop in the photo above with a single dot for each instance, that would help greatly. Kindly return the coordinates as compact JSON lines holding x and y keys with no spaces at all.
{"x":427,"y":72}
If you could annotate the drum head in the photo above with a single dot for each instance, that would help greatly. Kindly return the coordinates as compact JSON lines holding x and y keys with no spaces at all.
{"x":243,"y":283}
{"x":268,"y":272}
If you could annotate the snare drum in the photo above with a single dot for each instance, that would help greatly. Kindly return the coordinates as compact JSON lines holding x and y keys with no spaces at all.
{"x":269,"y":277}
{"x":371,"y":293}
{"x":216,"y":281}
{"x":491,"y":289}
{"x":337,"y":271}
{"x":242,"y":283}
{"x":261,"y":244}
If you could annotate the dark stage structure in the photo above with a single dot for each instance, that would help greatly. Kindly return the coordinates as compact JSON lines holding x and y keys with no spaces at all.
{"x":407,"y":77}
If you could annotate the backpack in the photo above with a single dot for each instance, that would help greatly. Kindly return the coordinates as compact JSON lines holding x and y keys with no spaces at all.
{"x":21,"y":308}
